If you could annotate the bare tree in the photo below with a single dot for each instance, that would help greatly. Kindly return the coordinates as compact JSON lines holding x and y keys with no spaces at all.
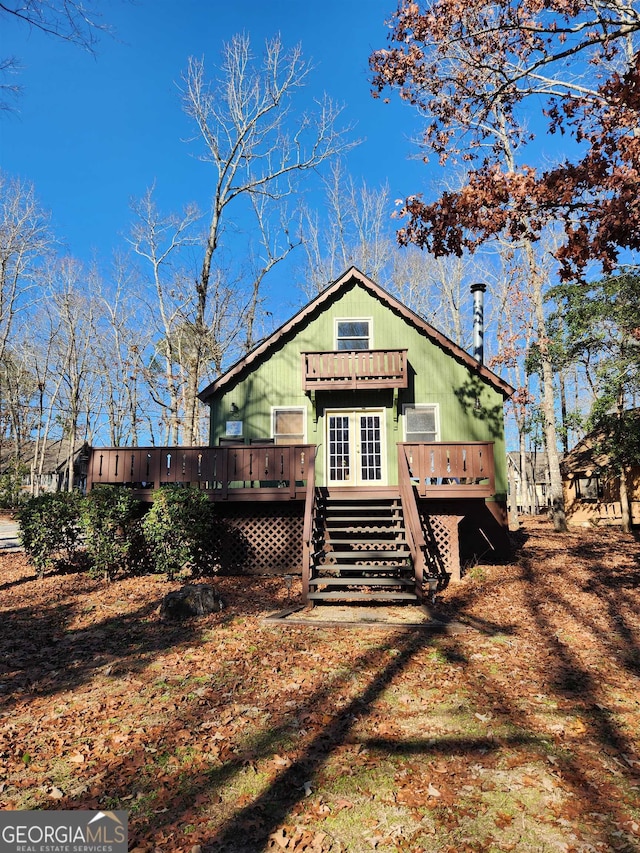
{"x":438,"y":290}
{"x":256,"y":146}
{"x":24,"y":242}
{"x":72,"y":301}
{"x":75,"y":21}
{"x":459,"y":90}
{"x":354,"y":229}
{"x":168,"y":306}
{"x":276,"y":240}
{"x":120,"y":335}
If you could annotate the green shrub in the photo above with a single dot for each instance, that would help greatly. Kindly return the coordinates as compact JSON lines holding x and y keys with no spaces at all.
{"x":181,"y":532}
{"x":112,"y":523}
{"x":51,"y":529}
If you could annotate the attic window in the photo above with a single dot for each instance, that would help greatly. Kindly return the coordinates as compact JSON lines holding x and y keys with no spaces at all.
{"x":353,"y":334}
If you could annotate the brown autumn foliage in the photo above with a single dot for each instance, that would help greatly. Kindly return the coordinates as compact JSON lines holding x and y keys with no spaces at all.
{"x":520,"y":732}
{"x":490,"y":76}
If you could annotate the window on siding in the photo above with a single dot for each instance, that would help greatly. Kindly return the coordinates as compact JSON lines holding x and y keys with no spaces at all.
{"x":421,"y":423}
{"x":353,"y":334}
{"x":288,"y":426}
{"x":588,"y":488}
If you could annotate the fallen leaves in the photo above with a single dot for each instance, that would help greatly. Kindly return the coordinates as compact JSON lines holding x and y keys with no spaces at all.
{"x":296,"y":839}
{"x":320,"y":740}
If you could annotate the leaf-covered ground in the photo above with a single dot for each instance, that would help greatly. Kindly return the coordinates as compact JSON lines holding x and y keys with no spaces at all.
{"x":522,"y":733}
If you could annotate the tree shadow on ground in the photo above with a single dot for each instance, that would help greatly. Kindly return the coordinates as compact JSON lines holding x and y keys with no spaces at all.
{"x":339,"y":710}
{"x":251,"y":825}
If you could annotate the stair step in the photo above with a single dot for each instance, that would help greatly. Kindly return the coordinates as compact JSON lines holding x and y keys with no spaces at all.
{"x":365,"y":527}
{"x":359,"y":503}
{"x":361,"y":581}
{"x":381,"y":571}
{"x":371,"y":544}
{"x":369,"y":553}
{"x":373,"y":570}
{"x":362,"y":596}
{"x":363,"y":514}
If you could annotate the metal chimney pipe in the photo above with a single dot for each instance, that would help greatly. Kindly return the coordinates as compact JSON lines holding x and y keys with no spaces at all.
{"x":478,"y":291}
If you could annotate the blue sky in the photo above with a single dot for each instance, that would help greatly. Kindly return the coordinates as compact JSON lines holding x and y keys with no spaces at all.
{"x":92,"y":133}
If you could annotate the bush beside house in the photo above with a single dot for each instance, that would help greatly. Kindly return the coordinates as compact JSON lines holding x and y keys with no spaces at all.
{"x":111,"y":532}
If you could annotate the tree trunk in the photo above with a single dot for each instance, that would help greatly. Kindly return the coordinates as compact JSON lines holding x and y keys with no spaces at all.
{"x":548,"y":402}
{"x":563,"y":409}
{"x":625,"y":500}
{"x":524,"y":476}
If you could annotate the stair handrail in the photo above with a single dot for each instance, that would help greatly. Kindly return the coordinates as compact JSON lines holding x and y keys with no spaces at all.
{"x":307,"y":530}
{"x":415,"y":534}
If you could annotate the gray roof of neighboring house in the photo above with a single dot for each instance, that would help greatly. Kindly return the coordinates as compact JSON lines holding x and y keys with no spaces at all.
{"x":55,"y":455}
{"x":588,"y":456}
{"x":536,"y":462}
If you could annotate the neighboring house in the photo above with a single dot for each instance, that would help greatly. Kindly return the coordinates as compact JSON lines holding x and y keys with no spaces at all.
{"x":53,"y":462}
{"x":592,"y":489}
{"x":356,"y":445}
{"x":532,"y":494}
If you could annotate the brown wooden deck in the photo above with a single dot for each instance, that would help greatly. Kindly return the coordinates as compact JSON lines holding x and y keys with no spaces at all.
{"x":354,"y":369}
{"x":281,"y":472}
{"x":245,"y":472}
{"x":261,"y":474}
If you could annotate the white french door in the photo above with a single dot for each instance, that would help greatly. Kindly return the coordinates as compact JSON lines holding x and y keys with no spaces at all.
{"x":355,"y":448}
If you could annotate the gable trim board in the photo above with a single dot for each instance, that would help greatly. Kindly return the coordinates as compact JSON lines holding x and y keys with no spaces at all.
{"x":351,"y":278}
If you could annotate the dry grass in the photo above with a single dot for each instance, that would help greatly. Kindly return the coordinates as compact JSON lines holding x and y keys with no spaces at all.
{"x":232,"y":734}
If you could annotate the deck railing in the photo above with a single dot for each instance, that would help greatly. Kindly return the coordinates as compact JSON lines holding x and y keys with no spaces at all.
{"x":273,"y":471}
{"x":413,"y":524}
{"x":451,"y":469}
{"x":310,"y":508}
{"x":267,"y":472}
{"x":375,"y":368}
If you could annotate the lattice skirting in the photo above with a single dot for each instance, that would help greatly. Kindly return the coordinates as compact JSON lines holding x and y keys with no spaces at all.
{"x":443,"y":547}
{"x":262,"y":539}
{"x":460,"y":533}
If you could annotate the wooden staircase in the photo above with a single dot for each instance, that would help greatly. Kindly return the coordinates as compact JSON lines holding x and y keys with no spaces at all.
{"x":362,"y":552}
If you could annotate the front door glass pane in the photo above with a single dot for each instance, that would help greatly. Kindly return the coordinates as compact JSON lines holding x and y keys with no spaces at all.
{"x":370,"y":448}
{"x":339,"y":449}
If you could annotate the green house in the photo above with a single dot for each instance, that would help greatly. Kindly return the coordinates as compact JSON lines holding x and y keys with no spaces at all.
{"x":356,"y":445}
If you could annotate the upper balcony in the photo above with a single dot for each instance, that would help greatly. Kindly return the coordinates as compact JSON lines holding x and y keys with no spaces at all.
{"x":354,"y":369}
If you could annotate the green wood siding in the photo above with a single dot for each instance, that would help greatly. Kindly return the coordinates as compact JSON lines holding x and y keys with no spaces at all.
{"x":435,"y":376}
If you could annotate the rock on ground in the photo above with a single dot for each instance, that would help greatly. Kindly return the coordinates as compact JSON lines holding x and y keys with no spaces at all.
{"x":190,"y":600}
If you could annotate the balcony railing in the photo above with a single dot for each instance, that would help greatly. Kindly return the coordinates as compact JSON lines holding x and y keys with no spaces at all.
{"x":356,"y":369}
{"x":265,"y":472}
{"x":451,"y":469}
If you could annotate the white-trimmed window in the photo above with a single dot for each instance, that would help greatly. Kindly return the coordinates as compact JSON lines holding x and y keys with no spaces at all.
{"x":288,"y":425}
{"x":421,"y":422}
{"x":353,"y":334}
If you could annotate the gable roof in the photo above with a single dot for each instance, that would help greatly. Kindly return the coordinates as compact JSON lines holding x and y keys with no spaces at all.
{"x":56,"y":451}
{"x":588,"y":456}
{"x":537,"y":464}
{"x":351,"y":278}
